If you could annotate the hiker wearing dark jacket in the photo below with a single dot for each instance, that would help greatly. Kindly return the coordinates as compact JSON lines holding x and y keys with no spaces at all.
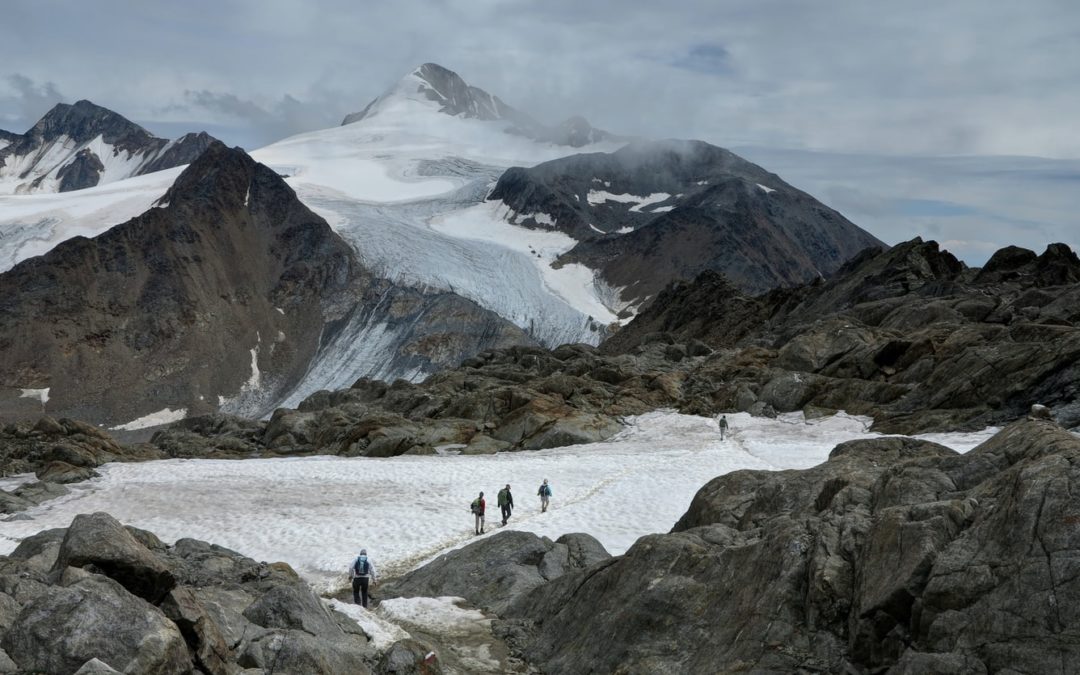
{"x":478,"y":507}
{"x":506,"y":502}
{"x":545,"y":495}
{"x":362,"y":573}
{"x":722,"y":423}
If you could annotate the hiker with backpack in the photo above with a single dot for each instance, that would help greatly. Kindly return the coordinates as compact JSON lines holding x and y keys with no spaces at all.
{"x":722,"y":423}
{"x":545,"y":495}
{"x":506,"y":503}
{"x":478,"y":507}
{"x":362,"y":573}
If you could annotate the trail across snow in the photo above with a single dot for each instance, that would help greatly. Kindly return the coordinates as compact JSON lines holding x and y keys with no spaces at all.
{"x":316,"y":512}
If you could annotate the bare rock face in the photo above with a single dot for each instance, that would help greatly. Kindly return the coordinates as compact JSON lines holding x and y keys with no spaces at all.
{"x":894,"y":556}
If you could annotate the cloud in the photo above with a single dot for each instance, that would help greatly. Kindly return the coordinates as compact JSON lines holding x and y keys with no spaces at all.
{"x":28,"y":101}
{"x":266,"y":122}
{"x":710,"y":59}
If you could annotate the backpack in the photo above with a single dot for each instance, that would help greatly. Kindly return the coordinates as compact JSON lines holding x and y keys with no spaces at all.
{"x":475,"y":506}
{"x":361,"y":568}
{"x":545,"y":490}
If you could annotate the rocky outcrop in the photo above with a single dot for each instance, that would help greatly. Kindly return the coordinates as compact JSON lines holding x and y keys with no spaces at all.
{"x":896,"y":555}
{"x":69,"y":148}
{"x":654,"y":212}
{"x":102,"y":598}
{"x":908,"y":336}
{"x":490,"y":572}
{"x":62,"y":450}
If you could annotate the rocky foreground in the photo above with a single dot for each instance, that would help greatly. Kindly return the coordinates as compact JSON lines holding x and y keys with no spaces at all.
{"x":894,"y":556}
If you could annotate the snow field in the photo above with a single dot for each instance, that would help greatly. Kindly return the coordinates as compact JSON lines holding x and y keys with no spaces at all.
{"x":315,"y":513}
{"x":31,"y":225}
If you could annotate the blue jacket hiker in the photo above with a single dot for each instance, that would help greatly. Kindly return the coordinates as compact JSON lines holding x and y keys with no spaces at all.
{"x":362,"y":572}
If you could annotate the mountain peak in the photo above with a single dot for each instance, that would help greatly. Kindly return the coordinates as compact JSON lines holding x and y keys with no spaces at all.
{"x":79,"y":145}
{"x":84,"y":121}
{"x":431,"y":83}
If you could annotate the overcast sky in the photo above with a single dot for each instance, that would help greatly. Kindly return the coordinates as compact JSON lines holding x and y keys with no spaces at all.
{"x":820,"y":86}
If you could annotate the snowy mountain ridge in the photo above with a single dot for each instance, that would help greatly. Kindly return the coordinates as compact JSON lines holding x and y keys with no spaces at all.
{"x":441,"y":89}
{"x":83,"y":145}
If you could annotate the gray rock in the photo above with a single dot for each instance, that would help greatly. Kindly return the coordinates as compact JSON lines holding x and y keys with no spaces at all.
{"x":95,"y":618}
{"x":62,"y":472}
{"x":292,"y":607}
{"x":6,"y":664}
{"x":408,"y":657}
{"x":209,"y":649}
{"x":295,"y":651}
{"x":99,"y":541}
{"x":492,"y":572}
{"x":96,"y":667}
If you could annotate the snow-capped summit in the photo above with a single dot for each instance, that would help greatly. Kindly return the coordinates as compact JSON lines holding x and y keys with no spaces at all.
{"x":437,"y":88}
{"x":442,"y":89}
{"x":80,"y":145}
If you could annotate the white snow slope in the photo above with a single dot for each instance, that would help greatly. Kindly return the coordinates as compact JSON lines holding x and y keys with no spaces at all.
{"x":31,"y":225}
{"x":405,"y":186}
{"x":316,"y":512}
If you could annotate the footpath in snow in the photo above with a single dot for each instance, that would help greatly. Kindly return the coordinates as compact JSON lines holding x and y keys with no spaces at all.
{"x":315,"y":513}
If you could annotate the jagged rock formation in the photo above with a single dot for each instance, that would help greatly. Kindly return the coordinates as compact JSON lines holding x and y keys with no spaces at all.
{"x":82,"y":145}
{"x":895,"y":556}
{"x":453,"y":96}
{"x":653,"y":212}
{"x":909,"y":336}
{"x":100,"y":591}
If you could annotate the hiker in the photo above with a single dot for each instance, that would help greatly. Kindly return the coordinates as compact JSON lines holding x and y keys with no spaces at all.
{"x":722,"y":423}
{"x":506,"y":502}
{"x":362,"y":572}
{"x":545,"y":495}
{"x":478,"y":507}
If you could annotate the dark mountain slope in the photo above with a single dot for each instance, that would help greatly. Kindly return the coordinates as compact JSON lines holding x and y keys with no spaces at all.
{"x":653,"y":212}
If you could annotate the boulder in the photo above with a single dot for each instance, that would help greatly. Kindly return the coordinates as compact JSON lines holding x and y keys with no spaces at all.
{"x":95,"y":618}
{"x":295,"y":651}
{"x":409,"y":657}
{"x":292,"y":606}
{"x":492,"y":572}
{"x":62,"y":472}
{"x":98,"y":541}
